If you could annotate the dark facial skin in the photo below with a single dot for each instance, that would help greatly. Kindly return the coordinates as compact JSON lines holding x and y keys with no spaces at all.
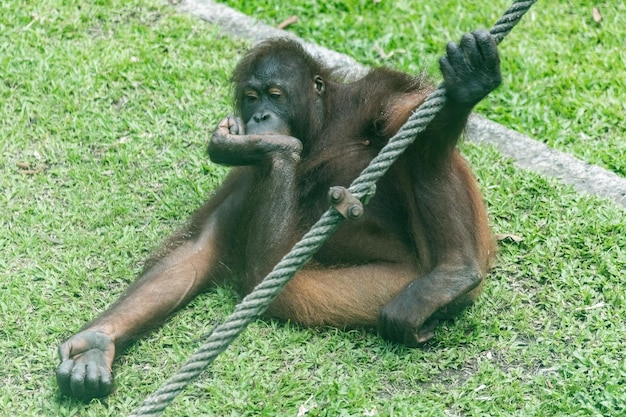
{"x":265,"y":100}
{"x":272,"y":103}
{"x":417,"y":255}
{"x":264,"y":110}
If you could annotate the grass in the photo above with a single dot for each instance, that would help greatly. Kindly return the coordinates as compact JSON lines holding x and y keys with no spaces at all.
{"x":563,"y":72}
{"x":105,"y":109}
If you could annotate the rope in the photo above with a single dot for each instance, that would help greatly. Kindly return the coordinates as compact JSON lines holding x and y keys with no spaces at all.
{"x":255,"y":303}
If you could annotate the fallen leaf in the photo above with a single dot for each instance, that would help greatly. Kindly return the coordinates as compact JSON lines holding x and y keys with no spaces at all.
{"x":31,"y":171}
{"x":597,"y":16}
{"x":382,"y":53}
{"x":508,"y":237}
{"x":287,"y":22}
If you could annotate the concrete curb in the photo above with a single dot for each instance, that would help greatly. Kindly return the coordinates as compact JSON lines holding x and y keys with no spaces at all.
{"x":535,"y":156}
{"x":525,"y":152}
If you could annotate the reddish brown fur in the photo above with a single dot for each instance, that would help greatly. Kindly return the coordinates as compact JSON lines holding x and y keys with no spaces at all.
{"x":418,"y":254}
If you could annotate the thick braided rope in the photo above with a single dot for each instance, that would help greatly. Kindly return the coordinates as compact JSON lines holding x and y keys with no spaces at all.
{"x":256,"y":302}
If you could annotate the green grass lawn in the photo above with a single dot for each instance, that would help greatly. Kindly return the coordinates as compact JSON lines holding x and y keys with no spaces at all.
{"x":105,"y":110}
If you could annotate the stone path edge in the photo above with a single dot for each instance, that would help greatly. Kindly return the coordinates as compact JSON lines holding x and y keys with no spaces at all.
{"x":526,"y":152}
